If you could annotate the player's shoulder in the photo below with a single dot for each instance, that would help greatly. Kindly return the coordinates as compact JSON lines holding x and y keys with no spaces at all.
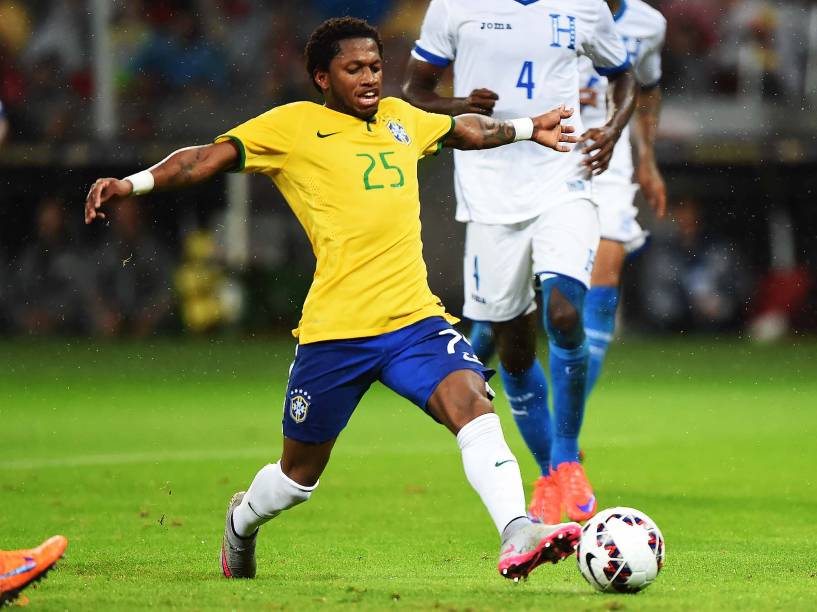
{"x":644,"y":16}
{"x":590,"y":10}
{"x":394,"y":107}
{"x":292,"y":110}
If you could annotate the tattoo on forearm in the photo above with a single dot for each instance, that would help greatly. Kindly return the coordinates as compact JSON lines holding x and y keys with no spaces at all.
{"x":496,"y":133}
{"x":188,"y":166}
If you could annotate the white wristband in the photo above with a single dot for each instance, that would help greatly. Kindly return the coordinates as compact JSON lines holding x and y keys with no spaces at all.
{"x":523,"y":128}
{"x":142,"y":182}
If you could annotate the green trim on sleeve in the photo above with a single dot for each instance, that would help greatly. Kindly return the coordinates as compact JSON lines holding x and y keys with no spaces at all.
{"x":242,"y":160}
{"x":444,"y":136}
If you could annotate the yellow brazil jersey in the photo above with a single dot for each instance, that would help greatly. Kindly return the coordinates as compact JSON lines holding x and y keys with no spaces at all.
{"x":353,"y":186}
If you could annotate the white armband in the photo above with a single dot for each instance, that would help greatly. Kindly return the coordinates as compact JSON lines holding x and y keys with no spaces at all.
{"x":142,"y":182}
{"x":523,"y":128}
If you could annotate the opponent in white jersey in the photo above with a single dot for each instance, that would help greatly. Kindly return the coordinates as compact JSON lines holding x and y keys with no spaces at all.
{"x":642,"y":28}
{"x":529,"y":214}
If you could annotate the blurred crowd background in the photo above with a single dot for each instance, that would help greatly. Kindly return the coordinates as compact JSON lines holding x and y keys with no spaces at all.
{"x":738,"y":253}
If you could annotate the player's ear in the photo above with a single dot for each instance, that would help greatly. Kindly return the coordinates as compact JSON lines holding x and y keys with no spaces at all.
{"x":321,"y":78}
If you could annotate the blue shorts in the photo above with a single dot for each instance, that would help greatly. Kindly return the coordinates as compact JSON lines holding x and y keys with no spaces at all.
{"x":328,"y":379}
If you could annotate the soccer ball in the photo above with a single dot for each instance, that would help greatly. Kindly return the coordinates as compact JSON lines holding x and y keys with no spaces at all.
{"x":620,"y":550}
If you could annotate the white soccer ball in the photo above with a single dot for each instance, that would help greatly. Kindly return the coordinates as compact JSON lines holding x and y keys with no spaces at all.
{"x":621,"y":550}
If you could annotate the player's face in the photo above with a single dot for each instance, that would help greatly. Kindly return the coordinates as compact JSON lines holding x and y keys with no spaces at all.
{"x":352,"y":84}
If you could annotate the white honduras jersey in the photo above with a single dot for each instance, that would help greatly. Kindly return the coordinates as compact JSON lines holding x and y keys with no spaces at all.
{"x":527,"y":51}
{"x":643,"y":29}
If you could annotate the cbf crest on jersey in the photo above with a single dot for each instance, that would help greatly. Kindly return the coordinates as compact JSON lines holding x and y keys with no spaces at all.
{"x":299,"y":404}
{"x":398,"y":131}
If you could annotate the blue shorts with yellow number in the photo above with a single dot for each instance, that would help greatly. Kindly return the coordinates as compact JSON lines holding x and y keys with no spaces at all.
{"x":328,"y":379}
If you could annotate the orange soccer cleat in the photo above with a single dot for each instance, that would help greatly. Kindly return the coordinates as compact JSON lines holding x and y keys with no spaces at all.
{"x":578,"y":498}
{"x":546,"y":501}
{"x":20,"y":568}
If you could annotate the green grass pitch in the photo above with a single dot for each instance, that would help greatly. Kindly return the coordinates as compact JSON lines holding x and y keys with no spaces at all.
{"x":132,"y":451}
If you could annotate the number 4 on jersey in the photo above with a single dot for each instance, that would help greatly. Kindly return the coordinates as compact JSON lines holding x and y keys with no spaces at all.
{"x":526,"y":79}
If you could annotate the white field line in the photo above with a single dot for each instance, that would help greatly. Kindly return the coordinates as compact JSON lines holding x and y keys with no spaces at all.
{"x":130,"y":458}
{"x":194,"y":455}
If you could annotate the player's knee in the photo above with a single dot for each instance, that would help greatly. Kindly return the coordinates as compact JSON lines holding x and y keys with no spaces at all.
{"x":517,"y":363}
{"x":516,"y":344}
{"x":475,"y":406}
{"x":562,"y":316}
{"x":564,"y":302}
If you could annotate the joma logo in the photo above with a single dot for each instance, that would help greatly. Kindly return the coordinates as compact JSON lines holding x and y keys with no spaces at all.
{"x":495,"y":25}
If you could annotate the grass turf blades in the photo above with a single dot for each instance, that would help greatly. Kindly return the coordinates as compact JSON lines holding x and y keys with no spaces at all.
{"x":129,"y":450}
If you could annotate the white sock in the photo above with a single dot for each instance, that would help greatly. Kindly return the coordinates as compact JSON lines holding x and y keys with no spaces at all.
{"x":270,"y":493}
{"x":492,"y":469}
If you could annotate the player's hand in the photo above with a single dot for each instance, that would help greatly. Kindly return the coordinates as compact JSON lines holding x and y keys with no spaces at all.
{"x":549,"y":131}
{"x":603,"y":143}
{"x":588,"y":97}
{"x":653,"y":187}
{"x":103,"y":191}
{"x":481,"y":101}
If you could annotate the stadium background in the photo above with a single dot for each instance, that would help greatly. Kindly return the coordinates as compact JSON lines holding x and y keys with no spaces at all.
{"x":104,"y":88}
{"x":131,"y":447}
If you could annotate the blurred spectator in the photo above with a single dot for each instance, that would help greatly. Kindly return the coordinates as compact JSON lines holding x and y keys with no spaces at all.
{"x":15,"y":26}
{"x":178,"y":56}
{"x":692,"y":34}
{"x":62,"y":35}
{"x":53,"y":109}
{"x":4,"y":124}
{"x":201,"y":281}
{"x":52,"y":288}
{"x":691,"y":279}
{"x":371,"y":10}
{"x":762,"y":43}
{"x":755,"y":48}
{"x":133,"y":283}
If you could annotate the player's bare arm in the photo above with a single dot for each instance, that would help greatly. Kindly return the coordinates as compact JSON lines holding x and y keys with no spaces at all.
{"x":649,"y":176}
{"x":473,"y":131}
{"x":184,"y":167}
{"x":420,"y":88}
{"x":621,"y":98}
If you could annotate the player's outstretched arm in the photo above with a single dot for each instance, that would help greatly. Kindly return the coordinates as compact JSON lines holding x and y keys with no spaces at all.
{"x":184,"y":167}
{"x":621,"y":96}
{"x":646,"y":127}
{"x":477,"y":132}
{"x":420,"y":87}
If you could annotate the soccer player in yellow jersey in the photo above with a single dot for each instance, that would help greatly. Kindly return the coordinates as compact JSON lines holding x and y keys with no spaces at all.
{"x":348,"y":170}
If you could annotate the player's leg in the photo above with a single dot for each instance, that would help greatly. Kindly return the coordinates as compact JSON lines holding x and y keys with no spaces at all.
{"x":621,"y":235}
{"x":461,"y":404}
{"x":498,"y":288}
{"x":481,"y":338}
{"x":564,"y":248}
{"x":526,"y":388}
{"x":601,"y":304}
{"x":435,"y":369}
{"x":325,"y":385}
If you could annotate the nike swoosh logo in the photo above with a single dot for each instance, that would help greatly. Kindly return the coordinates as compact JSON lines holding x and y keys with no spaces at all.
{"x":498,"y":463}
{"x":325,"y":135}
{"x":588,"y":559}
{"x":30,"y":565}
{"x":588,"y":506}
